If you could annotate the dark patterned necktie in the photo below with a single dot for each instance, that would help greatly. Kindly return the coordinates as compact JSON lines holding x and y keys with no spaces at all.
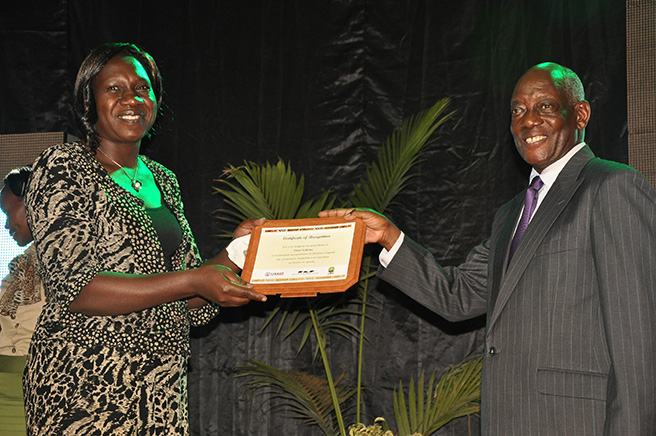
{"x":530,"y":201}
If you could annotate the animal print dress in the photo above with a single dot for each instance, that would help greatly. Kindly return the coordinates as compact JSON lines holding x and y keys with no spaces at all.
{"x":104,"y":375}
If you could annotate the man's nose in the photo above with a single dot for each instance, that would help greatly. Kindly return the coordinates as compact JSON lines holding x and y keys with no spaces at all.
{"x":532,"y":118}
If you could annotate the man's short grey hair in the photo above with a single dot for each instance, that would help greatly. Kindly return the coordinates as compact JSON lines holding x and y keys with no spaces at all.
{"x":565,"y":79}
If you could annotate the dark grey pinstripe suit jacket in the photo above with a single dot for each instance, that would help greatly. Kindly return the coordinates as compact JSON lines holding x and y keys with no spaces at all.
{"x":571,"y":322}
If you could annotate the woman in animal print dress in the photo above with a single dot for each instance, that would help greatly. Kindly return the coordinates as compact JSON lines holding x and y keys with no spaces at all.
{"x":122,"y":273}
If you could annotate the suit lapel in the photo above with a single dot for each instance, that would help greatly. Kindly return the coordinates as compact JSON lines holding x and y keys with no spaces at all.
{"x":499,"y":257}
{"x":552,"y":206}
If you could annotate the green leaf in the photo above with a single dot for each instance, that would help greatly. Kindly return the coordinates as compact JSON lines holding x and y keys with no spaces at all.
{"x":305,"y":396}
{"x":389,"y":175}
{"x":270,"y":191}
{"x":456,"y":394}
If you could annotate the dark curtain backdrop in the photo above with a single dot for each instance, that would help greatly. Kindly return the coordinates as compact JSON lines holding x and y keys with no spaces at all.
{"x":320,"y":84}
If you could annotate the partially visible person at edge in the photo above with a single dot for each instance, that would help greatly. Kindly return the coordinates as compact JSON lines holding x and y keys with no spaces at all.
{"x":21,"y":300}
{"x":122,"y":273}
{"x":571,"y":316}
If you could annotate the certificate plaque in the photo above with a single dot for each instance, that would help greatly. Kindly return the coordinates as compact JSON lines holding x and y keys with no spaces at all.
{"x":303,"y":257}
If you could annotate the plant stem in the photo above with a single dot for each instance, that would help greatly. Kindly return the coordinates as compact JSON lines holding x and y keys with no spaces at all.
{"x":363,"y":311}
{"x":329,"y":376}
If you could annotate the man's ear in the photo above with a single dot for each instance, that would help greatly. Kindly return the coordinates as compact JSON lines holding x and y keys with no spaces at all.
{"x":582,"y":110}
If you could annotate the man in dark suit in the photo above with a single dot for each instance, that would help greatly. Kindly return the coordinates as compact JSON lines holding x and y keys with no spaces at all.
{"x":571,"y":305}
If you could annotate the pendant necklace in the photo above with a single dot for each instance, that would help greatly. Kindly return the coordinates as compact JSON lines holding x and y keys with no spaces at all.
{"x":136,"y":184}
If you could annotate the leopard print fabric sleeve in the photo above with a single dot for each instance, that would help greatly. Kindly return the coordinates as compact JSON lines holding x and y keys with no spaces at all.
{"x":84,"y":223}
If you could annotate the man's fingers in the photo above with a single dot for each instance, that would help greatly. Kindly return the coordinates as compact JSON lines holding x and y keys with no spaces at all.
{"x":335,"y":212}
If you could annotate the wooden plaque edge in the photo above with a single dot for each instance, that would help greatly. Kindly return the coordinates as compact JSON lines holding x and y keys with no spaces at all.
{"x":309,"y":288}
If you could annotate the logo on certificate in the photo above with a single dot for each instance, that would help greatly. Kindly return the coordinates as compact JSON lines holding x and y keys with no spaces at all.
{"x":274,"y":273}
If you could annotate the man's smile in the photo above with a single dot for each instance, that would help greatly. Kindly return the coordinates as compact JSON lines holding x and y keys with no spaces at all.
{"x":535,"y":139}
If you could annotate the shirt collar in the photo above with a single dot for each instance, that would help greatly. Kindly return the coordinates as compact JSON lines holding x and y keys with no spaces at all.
{"x":550,"y":173}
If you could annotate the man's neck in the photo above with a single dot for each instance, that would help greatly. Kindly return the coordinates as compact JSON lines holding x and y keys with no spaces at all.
{"x":551,"y":172}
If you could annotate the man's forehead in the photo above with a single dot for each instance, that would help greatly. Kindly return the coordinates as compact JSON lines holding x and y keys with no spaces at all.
{"x":535,"y":84}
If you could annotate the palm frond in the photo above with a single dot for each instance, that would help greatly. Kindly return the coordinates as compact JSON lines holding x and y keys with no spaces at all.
{"x":332,"y":312}
{"x":456,"y":394}
{"x":400,"y":152}
{"x":305,"y":396}
{"x":311,"y":208}
{"x":269,"y":191}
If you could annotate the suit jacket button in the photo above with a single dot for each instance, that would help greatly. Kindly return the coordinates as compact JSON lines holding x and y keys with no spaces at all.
{"x":493,"y":350}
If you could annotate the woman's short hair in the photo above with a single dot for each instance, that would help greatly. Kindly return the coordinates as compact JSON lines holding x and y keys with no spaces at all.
{"x":17,"y":179}
{"x":83,"y":98}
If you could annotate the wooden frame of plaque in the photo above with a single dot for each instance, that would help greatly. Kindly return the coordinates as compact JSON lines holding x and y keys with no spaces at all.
{"x":297,"y":279}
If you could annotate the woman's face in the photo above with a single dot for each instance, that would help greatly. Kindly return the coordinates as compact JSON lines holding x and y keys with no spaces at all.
{"x":125,"y":102}
{"x":14,"y":208}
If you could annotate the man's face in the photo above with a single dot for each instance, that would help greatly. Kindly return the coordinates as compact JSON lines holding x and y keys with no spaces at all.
{"x":545,"y":125}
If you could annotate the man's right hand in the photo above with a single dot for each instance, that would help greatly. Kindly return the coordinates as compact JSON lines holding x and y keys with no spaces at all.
{"x":379,"y":228}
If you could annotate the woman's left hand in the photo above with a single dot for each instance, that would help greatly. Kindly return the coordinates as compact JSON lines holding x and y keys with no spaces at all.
{"x":223,"y":286}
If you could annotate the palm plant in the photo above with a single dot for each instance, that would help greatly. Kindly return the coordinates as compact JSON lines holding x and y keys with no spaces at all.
{"x":269,"y":191}
{"x":305,"y":395}
{"x":456,"y":394}
{"x":272,"y":191}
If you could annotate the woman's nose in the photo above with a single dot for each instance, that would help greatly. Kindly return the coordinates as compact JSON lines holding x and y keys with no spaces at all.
{"x":131,"y":97}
